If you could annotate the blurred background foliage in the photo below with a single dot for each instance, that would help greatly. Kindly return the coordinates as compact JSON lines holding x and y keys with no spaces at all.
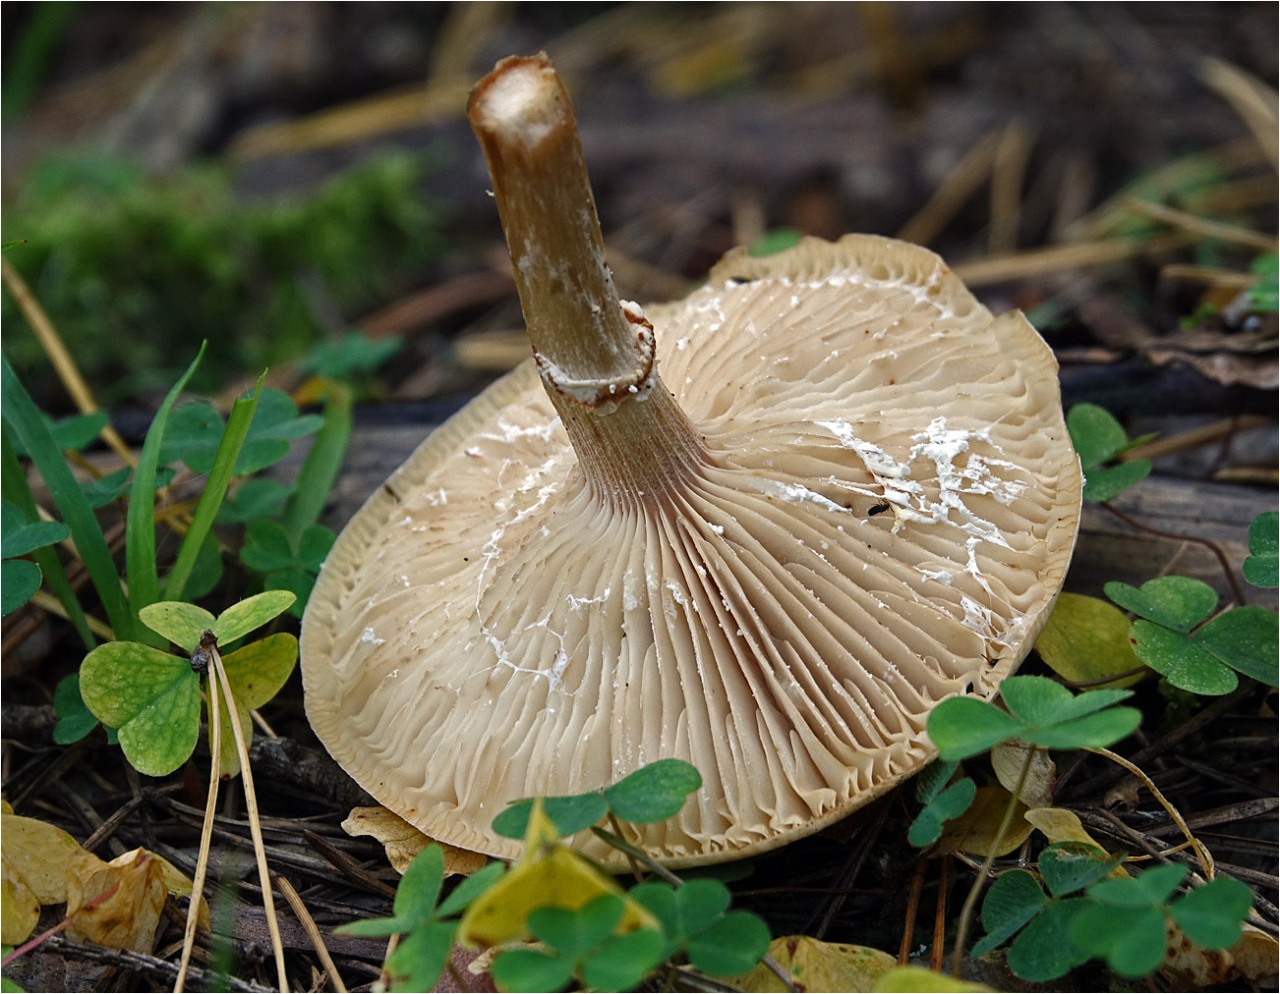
{"x":138,"y":272}
{"x":269,"y":176}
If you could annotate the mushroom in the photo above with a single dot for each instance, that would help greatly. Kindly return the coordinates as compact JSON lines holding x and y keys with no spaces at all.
{"x":659,"y":537}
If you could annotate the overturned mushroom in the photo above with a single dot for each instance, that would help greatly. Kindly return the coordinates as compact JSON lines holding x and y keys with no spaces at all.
{"x":660,"y":536}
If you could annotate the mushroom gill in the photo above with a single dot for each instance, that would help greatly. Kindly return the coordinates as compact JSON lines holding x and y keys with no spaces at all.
{"x":493,"y":624}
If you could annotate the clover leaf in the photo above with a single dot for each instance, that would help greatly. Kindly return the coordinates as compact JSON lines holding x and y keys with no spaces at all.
{"x":1173,"y":636}
{"x":1099,"y":439}
{"x":1119,"y":918}
{"x":19,"y":578}
{"x":153,"y":697}
{"x":695,"y":917}
{"x":195,"y":432}
{"x":70,"y":434}
{"x":1040,"y":712}
{"x":354,"y":353}
{"x":947,"y":806}
{"x":268,"y":550}
{"x":581,"y":942}
{"x":1260,"y":568}
{"x":418,"y":913}
{"x":652,"y":793}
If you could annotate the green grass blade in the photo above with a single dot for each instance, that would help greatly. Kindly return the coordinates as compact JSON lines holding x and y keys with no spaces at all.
{"x":13,"y":487}
{"x":24,"y":420}
{"x":224,"y":464}
{"x":320,"y":468}
{"x":140,"y":534}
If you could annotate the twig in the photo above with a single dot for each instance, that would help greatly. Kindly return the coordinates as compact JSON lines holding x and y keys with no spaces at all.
{"x":1205,"y":716}
{"x":50,"y":604}
{"x":127,"y":959}
{"x":956,"y":188}
{"x":1203,"y":227}
{"x":637,"y":855}
{"x":1055,"y":258}
{"x":346,"y":865}
{"x":913,"y":907}
{"x":1008,"y":172}
{"x":313,"y":932}
{"x":940,"y":918}
{"x":1133,"y":522}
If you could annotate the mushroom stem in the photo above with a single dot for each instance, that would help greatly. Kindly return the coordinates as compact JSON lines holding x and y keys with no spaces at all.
{"x":595,"y":354}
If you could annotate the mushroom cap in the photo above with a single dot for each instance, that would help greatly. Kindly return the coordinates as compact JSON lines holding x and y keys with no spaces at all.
{"x":489,"y":628}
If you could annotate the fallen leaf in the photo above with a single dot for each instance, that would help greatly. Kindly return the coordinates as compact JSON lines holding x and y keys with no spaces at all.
{"x":1253,"y":959}
{"x":548,"y":875}
{"x":1256,"y":956}
{"x":403,"y":842}
{"x":916,"y":980}
{"x":1087,"y":639}
{"x":814,"y":965}
{"x":118,"y":904}
{"x":1061,"y":825}
{"x":38,"y":853}
{"x":975,"y":831}
{"x":19,"y":907}
{"x":1008,"y":759}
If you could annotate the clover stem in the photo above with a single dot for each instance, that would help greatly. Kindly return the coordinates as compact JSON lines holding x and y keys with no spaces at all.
{"x":971,"y":901}
{"x":1202,"y":854}
{"x":251,"y":811}
{"x":596,"y":356}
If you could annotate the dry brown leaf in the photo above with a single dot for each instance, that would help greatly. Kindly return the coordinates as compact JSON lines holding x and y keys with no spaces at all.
{"x":975,"y":830}
{"x":1008,"y":758}
{"x":1227,"y":368}
{"x":819,"y":966}
{"x":1253,"y":958}
{"x":1256,"y":957}
{"x":118,"y":904}
{"x":403,"y":842}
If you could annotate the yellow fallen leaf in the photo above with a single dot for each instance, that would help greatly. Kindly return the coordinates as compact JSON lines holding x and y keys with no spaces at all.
{"x":403,"y":842}
{"x":1087,"y":639}
{"x":1008,"y":759}
{"x":912,"y":979}
{"x":814,"y":965}
{"x":19,"y":907}
{"x":975,"y":831}
{"x":38,"y":853}
{"x":1061,"y":825}
{"x":548,"y":875}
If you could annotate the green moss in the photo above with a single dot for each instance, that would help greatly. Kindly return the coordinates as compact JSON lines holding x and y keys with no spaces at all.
{"x":132,"y":272}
